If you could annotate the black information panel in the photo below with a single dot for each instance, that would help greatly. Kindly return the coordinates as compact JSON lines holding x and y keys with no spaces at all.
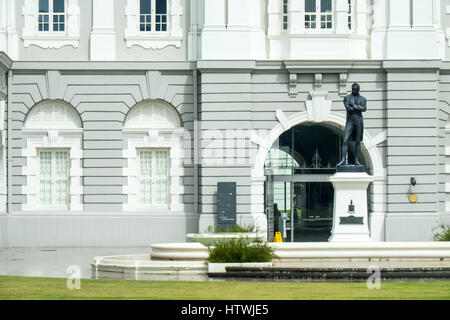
{"x":226,"y":204}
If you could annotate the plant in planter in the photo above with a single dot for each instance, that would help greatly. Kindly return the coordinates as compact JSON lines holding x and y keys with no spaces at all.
{"x":234,"y":229}
{"x":444,"y":234}
{"x":239,"y":250}
{"x":215,"y":234}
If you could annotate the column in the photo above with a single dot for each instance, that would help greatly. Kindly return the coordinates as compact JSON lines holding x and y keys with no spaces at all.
{"x":399,"y":14}
{"x":103,"y":36}
{"x":215,"y":14}
{"x":9,"y":38}
{"x":378,"y":34}
{"x":422,"y":13}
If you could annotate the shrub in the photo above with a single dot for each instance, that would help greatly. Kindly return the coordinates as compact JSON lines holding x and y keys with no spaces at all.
{"x":444,"y":234}
{"x":234,"y":229}
{"x":238,"y":250}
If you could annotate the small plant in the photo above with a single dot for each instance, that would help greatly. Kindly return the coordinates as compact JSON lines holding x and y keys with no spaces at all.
{"x":238,"y":250}
{"x":444,"y":234}
{"x":234,"y":229}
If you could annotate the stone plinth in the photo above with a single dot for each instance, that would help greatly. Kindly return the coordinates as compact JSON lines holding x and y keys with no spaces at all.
{"x":350,"y":217}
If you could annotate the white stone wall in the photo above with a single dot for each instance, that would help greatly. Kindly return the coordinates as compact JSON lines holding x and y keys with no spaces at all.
{"x":233,"y":29}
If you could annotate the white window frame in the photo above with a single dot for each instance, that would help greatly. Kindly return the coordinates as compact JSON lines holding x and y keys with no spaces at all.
{"x":153,"y":139}
{"x":153,"y":178}
{"x":153,"y":16}
{"x":51,"y":15}
{"x":153,"y":39}
{"x":53,"y":166}
{"x":51,"y":139}
{"x":153,"y":136}
{"x":52,"y":136}
{"x":319,"y":14}
{"x":51,"y":39}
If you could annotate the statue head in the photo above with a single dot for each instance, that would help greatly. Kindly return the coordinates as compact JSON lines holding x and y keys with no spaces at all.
{"x":355,"y":89}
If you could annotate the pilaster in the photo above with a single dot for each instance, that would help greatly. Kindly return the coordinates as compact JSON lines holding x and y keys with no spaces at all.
{"x":103,"y":36}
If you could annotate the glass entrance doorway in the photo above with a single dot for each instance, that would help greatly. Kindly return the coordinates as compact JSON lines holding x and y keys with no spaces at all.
{"x":297,"y":185}
{"x":308,"y":207}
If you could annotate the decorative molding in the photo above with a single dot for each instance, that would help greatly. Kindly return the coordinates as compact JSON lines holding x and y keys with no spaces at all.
{"x":293,"y":78}
{"x":343,"y":78}
{"x":153,"y":139}
{"x":318,"y":80}
{"x":156,"y":40}
{"x":48,"y":39}
{"x":53,"y":139}
{"x":379,"y":138}
{"x":318,"y":108}
{"x":282,"y":118}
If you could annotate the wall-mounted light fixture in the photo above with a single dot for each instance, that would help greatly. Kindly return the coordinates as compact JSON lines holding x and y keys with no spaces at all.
{"x":412,"y":196}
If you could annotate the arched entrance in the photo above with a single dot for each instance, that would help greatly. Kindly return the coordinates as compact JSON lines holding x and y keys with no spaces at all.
{"x":297,"y":168}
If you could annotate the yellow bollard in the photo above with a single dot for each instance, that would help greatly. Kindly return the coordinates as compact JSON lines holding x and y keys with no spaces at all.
{"x":278,"y":237}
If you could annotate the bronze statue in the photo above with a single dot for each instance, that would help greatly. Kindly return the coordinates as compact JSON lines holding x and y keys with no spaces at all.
{"x":355,"y":104}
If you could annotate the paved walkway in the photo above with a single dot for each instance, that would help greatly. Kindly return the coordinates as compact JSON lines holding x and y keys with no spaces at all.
{"x":54,"y":261}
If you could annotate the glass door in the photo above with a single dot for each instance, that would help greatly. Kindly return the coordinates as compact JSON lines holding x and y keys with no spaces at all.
{"x":269,"y":204}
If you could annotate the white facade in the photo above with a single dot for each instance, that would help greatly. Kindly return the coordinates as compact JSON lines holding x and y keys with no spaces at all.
{"x":178,"y":76}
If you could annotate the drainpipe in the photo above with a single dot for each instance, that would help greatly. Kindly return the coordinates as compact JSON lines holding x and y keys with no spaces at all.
{"x":194,"y":30}
{"x":9,"y":157}
{"x":196,"y":140}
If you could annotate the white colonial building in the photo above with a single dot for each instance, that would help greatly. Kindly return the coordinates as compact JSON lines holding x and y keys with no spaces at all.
{"x":119,"y":118}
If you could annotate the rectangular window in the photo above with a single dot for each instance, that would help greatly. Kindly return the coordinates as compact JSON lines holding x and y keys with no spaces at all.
{"x":153,"y":15}
{"x":285,"y":14}
{"x":318,"y":14}
{"x":153,"y":177}
{"x":54,"y":178}
{"x":51,"y":15}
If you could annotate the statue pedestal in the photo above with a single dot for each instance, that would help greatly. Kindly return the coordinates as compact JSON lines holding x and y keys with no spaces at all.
{"x":350,"y":212}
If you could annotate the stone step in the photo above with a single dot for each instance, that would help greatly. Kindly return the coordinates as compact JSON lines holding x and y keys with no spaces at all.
{"x":338,"y":274}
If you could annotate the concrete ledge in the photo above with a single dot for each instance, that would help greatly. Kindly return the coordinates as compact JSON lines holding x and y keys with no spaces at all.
{"x":140,"y":267}
{"x":319,"y":250}
{"x":179,"y":251}
{"x":349,"y":250}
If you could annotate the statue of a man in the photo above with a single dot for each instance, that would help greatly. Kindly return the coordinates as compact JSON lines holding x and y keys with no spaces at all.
{"x":355,"y":104}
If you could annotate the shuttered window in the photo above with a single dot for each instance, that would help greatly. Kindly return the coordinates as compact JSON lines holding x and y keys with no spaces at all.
{"x":153,"y":177}
{"x":53,"y":178}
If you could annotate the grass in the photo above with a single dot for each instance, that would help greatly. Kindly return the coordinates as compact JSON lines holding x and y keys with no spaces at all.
{"x":13,"y":287}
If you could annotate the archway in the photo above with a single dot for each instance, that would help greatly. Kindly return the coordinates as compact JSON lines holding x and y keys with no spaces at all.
{"x":299,"y":186}
{"x":334,"y":121}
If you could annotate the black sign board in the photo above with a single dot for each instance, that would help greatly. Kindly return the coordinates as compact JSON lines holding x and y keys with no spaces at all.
{"x":351,"y":220}
{"x":226,"y":204}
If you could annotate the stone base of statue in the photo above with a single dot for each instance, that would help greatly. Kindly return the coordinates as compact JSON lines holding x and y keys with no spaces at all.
{"x":350,"y":216}
{"x":351,"y":168}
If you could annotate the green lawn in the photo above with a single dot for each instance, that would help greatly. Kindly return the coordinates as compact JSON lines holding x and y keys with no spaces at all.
{"x":12,"y":287}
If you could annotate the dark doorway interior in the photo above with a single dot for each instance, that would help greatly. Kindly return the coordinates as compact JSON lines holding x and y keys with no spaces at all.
{"x":299,"y":186}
